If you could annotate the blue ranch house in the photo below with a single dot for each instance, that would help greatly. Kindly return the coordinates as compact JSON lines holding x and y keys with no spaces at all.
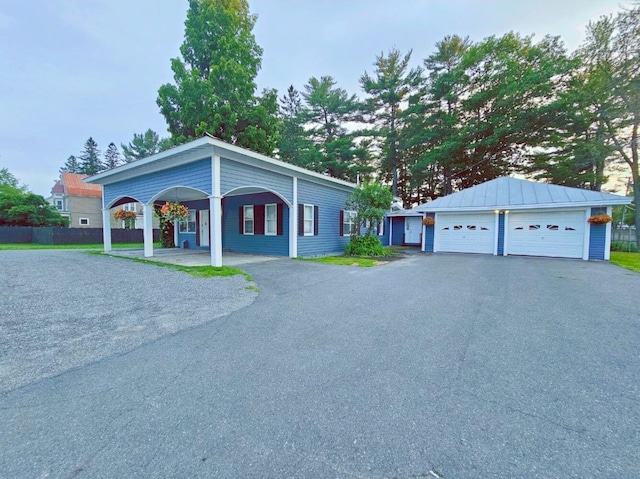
{"x":238,"y":201}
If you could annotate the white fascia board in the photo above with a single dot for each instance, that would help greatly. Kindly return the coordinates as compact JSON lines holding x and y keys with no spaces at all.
{"x":624,"y":200}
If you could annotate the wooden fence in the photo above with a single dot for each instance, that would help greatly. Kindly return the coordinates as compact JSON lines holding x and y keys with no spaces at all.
{"x":60,"y":236}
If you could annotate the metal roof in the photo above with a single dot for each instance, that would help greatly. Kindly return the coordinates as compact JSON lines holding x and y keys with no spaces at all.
{"x":513,"y":194}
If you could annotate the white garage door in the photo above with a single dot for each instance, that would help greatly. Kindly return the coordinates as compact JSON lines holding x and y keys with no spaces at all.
{"x":558,"y":234}
{"x":471,"y":233}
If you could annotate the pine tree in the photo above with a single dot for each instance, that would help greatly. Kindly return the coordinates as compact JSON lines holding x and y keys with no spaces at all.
{"x":111,"y":156}
{"x":144,"y":145}
{"x":90,"y":162}
{"x":72,"y":165}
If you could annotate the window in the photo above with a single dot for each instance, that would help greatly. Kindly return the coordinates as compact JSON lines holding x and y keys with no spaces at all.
{"x":188,"y":224}
{"x":59,"y":205}
{"x":534,"y":227}
{"x":248,"y":220}
{"x":84,"y":221}
{"x":552,"y":227}
{"x":308,"y":220}
{"x":380,"y":228}
{"x":471,"y":227}
{"x":129,"y":207}
{"x":349,"y":223}
{"x":569,"y":228}
{"x":457,"y":227}
{"x":271,"y":219}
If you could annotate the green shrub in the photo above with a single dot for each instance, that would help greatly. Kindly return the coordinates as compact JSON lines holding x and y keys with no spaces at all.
{"x":624,"y":246}
{"x":367,"y":245}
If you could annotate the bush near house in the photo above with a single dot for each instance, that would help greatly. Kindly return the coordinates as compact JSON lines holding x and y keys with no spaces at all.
{"x":367,"y":245}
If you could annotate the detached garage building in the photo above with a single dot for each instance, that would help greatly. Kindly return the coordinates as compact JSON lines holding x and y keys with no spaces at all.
{"x":508,"y":216}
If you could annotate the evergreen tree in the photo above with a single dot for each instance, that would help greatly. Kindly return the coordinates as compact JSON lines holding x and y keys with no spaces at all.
{"x":72,"y":165}
{"x":389,"y":88}
{"x":111,"y":156}
{"x":336,"y":151}
{"x":214,"y":90}
{"x":294,"y":146}
{"x":90,"y":162}
{"x":144,"y":145}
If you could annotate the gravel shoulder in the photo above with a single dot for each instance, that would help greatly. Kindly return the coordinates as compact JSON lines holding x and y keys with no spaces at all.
{"x":65,"y":309}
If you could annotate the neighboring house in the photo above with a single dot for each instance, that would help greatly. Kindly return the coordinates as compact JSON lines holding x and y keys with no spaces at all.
{"x":509,"y":216}
{"x":238,"y":200}
{"x":82,"y":203}
{"x":77,"y":200}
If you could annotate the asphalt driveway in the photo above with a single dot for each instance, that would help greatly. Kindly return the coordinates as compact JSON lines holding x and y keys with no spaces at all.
{"x":453,"y":366}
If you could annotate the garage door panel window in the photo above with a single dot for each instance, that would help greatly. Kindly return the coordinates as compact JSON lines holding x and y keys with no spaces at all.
{"x":552,"y":227}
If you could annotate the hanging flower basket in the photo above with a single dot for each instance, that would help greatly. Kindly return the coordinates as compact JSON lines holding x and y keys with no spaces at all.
{"x":125,"y":215}
{"x":428,"y":221}
{"x":599,"y":219}
{"x":172,"y":211}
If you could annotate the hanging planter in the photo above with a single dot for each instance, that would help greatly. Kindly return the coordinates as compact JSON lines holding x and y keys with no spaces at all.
{"x":599,"y":219}
{"x":428,"y":221}
{"x":172,"y":211}
{"x":128,"y":217}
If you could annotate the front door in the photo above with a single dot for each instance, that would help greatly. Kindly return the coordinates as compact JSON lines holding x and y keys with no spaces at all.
{"x":204,"y":227}
{"x":412,"y":230}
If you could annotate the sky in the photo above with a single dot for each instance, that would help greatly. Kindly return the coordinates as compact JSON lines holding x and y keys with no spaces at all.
{"x":74,"y":69}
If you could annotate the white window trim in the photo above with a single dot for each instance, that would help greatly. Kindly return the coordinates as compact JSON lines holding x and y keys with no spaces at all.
{"x":244,"y":220}
{"x":304,"y":219}
{"x":353,"y":215}
{"x":380,"y":228}
{"x":80,"y":221}
{"x":266,"y":217}
{"x":185,"y":221}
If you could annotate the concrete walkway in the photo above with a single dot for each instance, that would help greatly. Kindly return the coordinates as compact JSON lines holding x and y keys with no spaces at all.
{"x":192,"y":257}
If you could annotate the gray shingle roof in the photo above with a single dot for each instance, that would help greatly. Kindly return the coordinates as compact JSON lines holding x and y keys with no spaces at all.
{"x":513,"y":193}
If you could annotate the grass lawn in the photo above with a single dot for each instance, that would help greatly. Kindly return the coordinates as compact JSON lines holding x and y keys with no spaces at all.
{"x":197,"y":271}
{"x":626,"y":260}
{"x":345,"y":261}
{"x":17,"y":246}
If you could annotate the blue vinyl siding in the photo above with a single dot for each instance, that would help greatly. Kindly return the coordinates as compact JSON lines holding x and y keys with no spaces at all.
{"x":236,"y":175}
{"x":430,"y":235}
{"x":193,"y":175}
{"x":597,"y":236}
{"x":330,"y":201}
{"x":232,"y":240}
{"x":501,"y":233}
{"x":196,"y":205}
{"x":397,"y":235}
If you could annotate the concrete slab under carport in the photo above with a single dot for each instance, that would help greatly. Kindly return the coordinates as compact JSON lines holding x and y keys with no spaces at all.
{"x":192,"y":257}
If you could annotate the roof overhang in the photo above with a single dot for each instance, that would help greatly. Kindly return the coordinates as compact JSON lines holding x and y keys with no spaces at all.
{"x":204,"y":148}
{"x":624,"y":200}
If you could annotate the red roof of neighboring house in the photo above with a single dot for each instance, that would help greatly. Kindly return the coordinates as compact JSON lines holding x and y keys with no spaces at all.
{"x":75,"y":186}
{"x":57,"y":188}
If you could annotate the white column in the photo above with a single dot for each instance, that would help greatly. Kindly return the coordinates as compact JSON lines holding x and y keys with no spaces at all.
{"x":505,"y":241}
{"x":147,"y":212}
{"x":215,"y":211}
{"x":587,"y":235}
{"x":106,"y":229}
{"x":293,"y":222}
{"x":176,"y":226}
{"x":390,"y":230}
{"x":607,"y":240}
{"x":424,"y":233}
{"x":435,"y":232}
{"x":496,"y":238}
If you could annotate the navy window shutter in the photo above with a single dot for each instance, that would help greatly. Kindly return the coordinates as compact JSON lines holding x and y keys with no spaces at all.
{"x":315,"y":221}
{"x":197,"y":228}
{"x":341,"y":222}
{"x":258,"y":219}
{"x":300,"y":219}
{"x":280,"y":219}
{"x":241,"y":220}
